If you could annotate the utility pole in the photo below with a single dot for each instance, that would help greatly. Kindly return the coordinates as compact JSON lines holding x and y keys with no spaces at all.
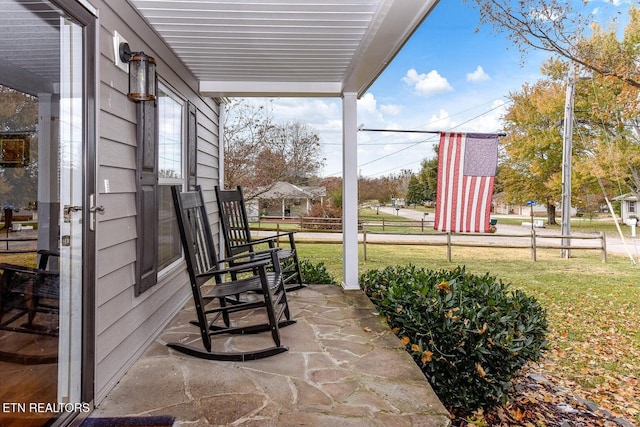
{"x":567,"y":146}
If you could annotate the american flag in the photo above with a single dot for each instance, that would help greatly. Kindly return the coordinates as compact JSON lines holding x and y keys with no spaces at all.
{"x":467,"y":164}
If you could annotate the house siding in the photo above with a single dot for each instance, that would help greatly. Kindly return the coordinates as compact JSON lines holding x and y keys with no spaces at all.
{"x":126,"y":324}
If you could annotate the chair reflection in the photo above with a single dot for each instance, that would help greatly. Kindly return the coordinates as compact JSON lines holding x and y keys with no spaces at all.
{"x":27,"y":291}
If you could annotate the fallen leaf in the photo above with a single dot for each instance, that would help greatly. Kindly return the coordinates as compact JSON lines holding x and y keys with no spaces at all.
{"x":480,"y":371}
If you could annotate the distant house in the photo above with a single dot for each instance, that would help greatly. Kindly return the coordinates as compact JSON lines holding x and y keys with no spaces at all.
{"x":628,"y":207}
{"x":500,"y":206}
{"x":285,"y":200}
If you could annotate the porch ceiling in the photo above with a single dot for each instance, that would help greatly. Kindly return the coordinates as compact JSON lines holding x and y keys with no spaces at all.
{"x":285,"y":47}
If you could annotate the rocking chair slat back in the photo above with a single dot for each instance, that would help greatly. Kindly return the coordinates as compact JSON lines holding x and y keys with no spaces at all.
{"x":238,"y":240}
{"x":234,"y":221}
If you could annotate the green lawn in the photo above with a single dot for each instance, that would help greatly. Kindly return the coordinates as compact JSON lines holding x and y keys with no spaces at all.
{"x":593,"y":309}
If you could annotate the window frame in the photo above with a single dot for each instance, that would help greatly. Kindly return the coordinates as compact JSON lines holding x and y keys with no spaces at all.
{"x":168,"y":267}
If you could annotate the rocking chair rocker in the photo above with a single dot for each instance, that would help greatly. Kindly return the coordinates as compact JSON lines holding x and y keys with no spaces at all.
{"x":266,"y":289}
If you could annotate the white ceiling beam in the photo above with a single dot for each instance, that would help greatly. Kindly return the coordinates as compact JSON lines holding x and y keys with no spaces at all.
{"x":219,"y":89}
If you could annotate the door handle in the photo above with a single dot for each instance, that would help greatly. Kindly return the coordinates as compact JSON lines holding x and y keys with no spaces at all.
{"x":68,"y":209}
{"x":93,"y":209}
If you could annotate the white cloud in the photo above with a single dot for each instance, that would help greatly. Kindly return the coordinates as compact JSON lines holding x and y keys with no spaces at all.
{"x":428,"y":84}
{"x":391,"y":109}
{"x":313,"y":111}
{"x":375,"y":115}
{"x":441,"y":121}
{"x":492,"y":121}
{"x":478,"y":75}
{"x":367,"y":103}
{"x":617,"y":2}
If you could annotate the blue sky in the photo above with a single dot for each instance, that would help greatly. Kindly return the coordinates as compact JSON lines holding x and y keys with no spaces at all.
{"x":447,"y":77}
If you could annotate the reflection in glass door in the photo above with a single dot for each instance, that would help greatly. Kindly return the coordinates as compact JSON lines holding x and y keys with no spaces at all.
{"x":42,"y":188}
{"x":72,"y":210}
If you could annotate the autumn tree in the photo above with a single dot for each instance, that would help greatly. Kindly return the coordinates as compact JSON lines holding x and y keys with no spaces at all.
{"x":18,"y":111}
{"x":613,"y":125}
{"x":258,"y":151}
{"x":555,"y":26}
{"x":597,"y":52}
{"x":531,"y":155}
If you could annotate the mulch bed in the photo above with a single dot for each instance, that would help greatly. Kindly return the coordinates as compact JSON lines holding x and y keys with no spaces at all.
{"x":534,"y":401}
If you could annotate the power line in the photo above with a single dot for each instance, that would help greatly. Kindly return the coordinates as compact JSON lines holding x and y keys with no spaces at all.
{"x":399,"y":130}
{"x":431,"y":123}
{"x":438,"y":132}
{"x":421,"y":141}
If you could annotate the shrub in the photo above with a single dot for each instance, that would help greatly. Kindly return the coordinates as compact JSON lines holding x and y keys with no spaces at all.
{"x":316,"y":274}
{"x":323,"y":216}
{"x":469,"y":334}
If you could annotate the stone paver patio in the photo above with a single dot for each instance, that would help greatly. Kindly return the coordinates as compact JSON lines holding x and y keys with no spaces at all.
{"x":344,"y":368}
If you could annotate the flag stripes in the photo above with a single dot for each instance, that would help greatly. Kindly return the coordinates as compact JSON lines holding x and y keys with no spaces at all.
{"x":466,"y":174}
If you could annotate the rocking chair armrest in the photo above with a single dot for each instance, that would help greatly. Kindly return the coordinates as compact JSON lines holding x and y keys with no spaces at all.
{"x":250,"y":256}
{"x":288,"y":234}
{"x":48,"y":252}
{"x":236,"y":268}
{"x":268,"y":239}
{"x":26,"y":270}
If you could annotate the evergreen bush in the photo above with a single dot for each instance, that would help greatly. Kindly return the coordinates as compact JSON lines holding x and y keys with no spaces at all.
{"x":469,"y":334}
{"x":316,"y":274}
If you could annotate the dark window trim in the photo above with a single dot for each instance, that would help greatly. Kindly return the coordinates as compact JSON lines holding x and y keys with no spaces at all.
{"x":147,"y":267}
{"x":146,"y":196}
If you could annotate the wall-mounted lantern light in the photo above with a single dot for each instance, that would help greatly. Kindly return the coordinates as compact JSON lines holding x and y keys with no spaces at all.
{"x":142,"y":74}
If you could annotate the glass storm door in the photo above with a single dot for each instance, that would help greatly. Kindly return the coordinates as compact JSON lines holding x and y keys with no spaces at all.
{"x":72,"y":210}
{"x":45,"y":195}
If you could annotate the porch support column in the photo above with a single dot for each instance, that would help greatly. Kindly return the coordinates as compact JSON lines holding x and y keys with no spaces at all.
{"x":350,"y":190}
{"x":48,"y":191}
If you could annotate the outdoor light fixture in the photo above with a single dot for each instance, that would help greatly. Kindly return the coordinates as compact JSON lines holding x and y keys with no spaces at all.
{"x":142,"y":74}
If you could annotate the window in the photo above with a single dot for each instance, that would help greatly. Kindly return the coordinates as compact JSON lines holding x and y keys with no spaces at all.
{"x":632,"y":207}
{"x":171,"y":136}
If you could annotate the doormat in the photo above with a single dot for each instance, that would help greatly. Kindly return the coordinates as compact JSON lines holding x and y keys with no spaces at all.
{"x":157,"y":421}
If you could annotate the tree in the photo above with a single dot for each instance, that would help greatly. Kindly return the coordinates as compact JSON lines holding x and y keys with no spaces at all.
{"x":531,"y":156}
{"x":385,"y":188}
{"x":428,"y":176}
{"x":614,"y":104}
{"x":608,"y":126}
{"x":415,"y":191}
{"x":260,"y":152}
{"x":422,"y":187}
{"x":18,"y":111}
{"x":19,"y":114}
{"x":554,"y":26}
